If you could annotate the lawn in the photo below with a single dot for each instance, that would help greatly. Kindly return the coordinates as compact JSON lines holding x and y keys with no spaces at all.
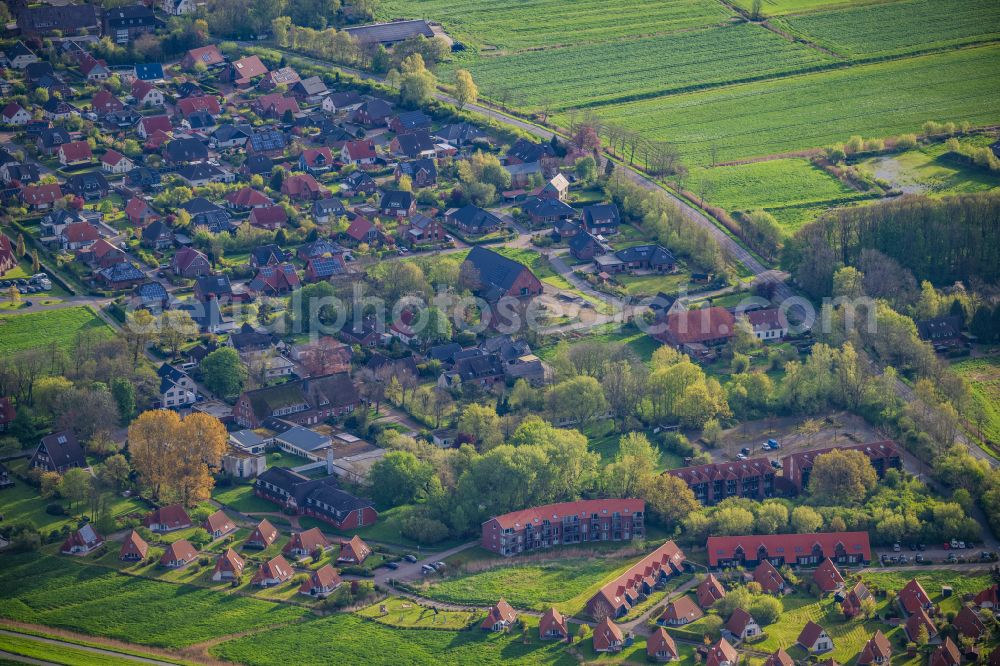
{"x":636,"y":340}
{"x":27,"y":646}
{"x":68,"y":593}
{"x":814,"y":110}
{"x":605,"y":442}
{"x":22,"y":502}
{"x":983,"y":375}
{"x":533,"y":259}
{"x":640,"y":286}
{"x":895,"y":28}
{"x":566,"y":583}
{"x":536,"y":23}
{"x":240,"y":497}
{"x":779,"y":7}
{"x":930,"y":170}
{"x":35,"y":330}
{"x":355,"y":640}
{"x":407,"y":614}
{"x":769,"y":184}
{"x":585,"y":74}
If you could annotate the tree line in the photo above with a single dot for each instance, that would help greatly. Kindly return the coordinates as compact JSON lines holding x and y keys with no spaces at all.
{"x":947,"y":240}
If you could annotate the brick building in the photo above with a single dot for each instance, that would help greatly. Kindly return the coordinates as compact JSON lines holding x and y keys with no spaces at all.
{"x":564,"y":523}
{"x":753,"y":478}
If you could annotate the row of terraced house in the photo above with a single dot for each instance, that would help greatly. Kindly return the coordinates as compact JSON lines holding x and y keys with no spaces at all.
{"x":756,"y":478}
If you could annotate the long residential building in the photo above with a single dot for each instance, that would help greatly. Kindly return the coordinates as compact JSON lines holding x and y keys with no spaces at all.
{"x":319,"y":498}
{"x":305,"y":401}
{"x":565,"y":523}
{"x":712,"y":483}
{"x":794,"y":549}
{"x":651,"y":572}
{"x":798,"y":466}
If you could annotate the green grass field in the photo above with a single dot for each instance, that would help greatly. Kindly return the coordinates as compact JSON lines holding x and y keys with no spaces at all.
{"x":779,"y":7}
{"x":241,"y":498}
{"x":813,"y":110}
{"x":35,"y":330}
{"x":26,"y":646}
{"x":67,"y":593}
{"x":585,"y":74}
{"x":407,"y":614}
{"x":536,"y":23}
{"x":22,"y":502}
{"x":931,"y":170}
{"x":355,"y":640}
{"x":983,"y":375}
{"x":537,"y":585}
{"x":894,"y":28}
{"x":774,"y":183}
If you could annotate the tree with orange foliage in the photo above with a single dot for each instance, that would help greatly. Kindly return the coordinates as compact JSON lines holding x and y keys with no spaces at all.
{"x":176,"y":457}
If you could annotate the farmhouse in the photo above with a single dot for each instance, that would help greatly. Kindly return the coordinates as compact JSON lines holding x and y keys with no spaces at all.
{"x":565,"y":523}
{"x":167,"y":519}
{"x":228,"y":566}
{"x":82,"y":541}
{"x":263,"y":536}
{"x":852,"y":604}
{"x":709,"y":327}
{"x":769,"y":579}
{"x":219,"y":524}
{"x":709,"y":591}
{"x":178,"y":554}
{"x":681,"y":611}
{"x":500,"y":617}
{"x":134,"y":548}
{"x":827,"y":577}
{"x":792,"y":549}
{"x":303,"y":544}
{"x":617,"y":597}
{"x":388,"y":34}
{"x":660,"y":646}
{"x":354,"y":551}
{"x":722,"y":654}
{"x":741,"y":625}
{"x":914,"y":598}
{"x":883,"y":456}
{"x":919,"y":620}
{"x":473,"y":220}
{"x":948,"y":654}
{"x":712,"y":483}
{"x":608,"y":637}
{"x":58,"y":452}
{"x":877,"y":650}
{"x":273,"y":572}
{"x":553,"y":626}
{"x":321,"y":582}
{"x":814,"y":639}
{"x":501,"y":279}
{"x":779,"y":658}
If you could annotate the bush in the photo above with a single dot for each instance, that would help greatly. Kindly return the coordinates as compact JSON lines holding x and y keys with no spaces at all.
{"x":906,"y":141}
{"x":55,"y":509}
{"x":424,"y":530}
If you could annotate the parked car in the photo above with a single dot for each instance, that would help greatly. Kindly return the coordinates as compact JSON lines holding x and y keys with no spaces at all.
{"x":952,"y":557}
{"x":440,"y":565}
{"x":745,"y":450}
{"x":920,"y":546}
{"x":954,"y":543}
{"x":410,"y":558}
{"x":773,"y":443}
{"x":776,"y":464}
{"x":961,"y":545}
{"x":918,"y":558}
{"x":895,"y":548}
{"x":426,"y":569}
{"x":741,"y":456}
{"x":392,"y":565}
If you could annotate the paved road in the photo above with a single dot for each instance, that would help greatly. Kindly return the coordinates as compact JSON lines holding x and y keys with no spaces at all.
{"x":410,"y":571}
{"x":75,"y":646}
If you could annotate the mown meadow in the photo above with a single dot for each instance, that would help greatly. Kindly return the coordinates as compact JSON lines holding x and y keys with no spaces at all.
{"x":35,"y":330}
